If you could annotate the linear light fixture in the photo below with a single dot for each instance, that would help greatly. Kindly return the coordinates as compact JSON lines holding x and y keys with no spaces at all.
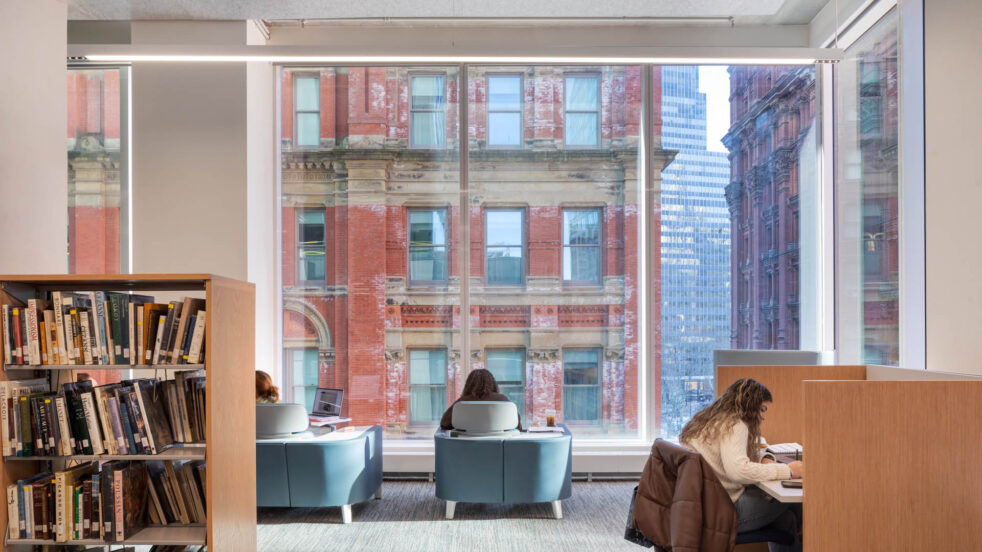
{"x":556,"y":56}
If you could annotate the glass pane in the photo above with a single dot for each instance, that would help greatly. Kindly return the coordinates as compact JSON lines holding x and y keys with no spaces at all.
{"x":504,"y":93}
{"x":427,"y":92}
{"x":308,"y":129}
{"x":581,"y":367}
{"x":581,"y":94}
{"x":505,"y":265}
{"x":515,"y":394}
{"x":867,"y":197}
{"x":427,"y":129}
{"x":507,"y":366}
{"x":581,"y":129}
{"x":364,"y":196}
{"x":308,"y":95}
{"x":504,"y":227}
{"x":428,"y":227}
{"x":504,"y":129}
{"x":428,"y":264}
{"x":581,"y":227}
{"x":581,"y":404}
{"x":427,"y":404}
{"x":581,"y":264}
{"x":427,"y":367}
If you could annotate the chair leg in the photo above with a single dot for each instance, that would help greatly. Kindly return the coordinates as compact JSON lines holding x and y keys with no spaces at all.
{"x":557,"y":509}
{"x":378,"y":493}
{"x":346,"y":513}
{"x":451,"y":506}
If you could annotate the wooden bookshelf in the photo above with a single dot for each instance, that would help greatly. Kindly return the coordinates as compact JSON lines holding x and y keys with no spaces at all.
{"x":230,"y":423}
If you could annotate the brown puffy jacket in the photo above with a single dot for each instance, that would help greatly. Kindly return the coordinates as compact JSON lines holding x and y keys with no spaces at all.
{"x":681,"y":505}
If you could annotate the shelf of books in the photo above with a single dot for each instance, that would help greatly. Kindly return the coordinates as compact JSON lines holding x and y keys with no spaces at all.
{"x":126,"y":463}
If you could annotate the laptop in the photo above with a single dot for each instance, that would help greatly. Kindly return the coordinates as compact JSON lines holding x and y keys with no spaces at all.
{"x":327,"y":405}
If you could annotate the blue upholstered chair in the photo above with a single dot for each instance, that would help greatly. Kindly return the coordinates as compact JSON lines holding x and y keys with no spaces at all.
{"x":504,"y":470}
{"x":308,"y":470}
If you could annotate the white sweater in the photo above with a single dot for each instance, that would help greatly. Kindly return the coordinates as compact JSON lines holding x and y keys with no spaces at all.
{"x":728,"y":457}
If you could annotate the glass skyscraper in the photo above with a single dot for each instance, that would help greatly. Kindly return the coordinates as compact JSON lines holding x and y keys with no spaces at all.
{"x":695,"y":251}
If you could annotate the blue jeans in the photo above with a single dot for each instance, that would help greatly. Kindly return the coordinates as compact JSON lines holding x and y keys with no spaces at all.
{"x":756,"y":510}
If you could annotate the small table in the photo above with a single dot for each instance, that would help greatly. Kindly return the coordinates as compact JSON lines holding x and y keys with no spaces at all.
{"x":781,"y":493}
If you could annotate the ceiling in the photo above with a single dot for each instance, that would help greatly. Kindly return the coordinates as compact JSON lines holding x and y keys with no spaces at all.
{"x":291,"y":11}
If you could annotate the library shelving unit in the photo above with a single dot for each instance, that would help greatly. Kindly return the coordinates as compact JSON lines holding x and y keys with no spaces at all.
{"x":229,"y":448}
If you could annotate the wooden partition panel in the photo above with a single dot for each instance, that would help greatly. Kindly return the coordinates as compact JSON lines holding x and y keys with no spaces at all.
{"x":893,"y":465}
{"x":892,"y":373}
{"x":784,"y":422}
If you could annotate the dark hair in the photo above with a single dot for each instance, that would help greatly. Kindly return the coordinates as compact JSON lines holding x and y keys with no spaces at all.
{"x":740,"y":402}
{"x":480,"y":383}
{"x":265,"y":390}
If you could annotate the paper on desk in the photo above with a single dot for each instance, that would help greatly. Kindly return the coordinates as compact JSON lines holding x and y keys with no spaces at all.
{"x":545,"y":429}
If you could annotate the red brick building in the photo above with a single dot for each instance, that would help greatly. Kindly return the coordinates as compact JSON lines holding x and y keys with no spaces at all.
{"x":771,"y":110}
{"x":372,"y":251}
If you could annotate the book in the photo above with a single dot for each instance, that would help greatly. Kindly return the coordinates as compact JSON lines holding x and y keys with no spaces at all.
{"x":87,"y":356}
{"x":56,"y":303}
{"x":117,"y":319}
{"x":159,"y":343}
{"x":130,"y":493}
{"x":190,"y":307}
{"x":197,"y":339}
{"x":4,"y":325}
{"x":112,"y":406}
{"x":66,"y":443}
{"x":151,"y":319}
{"x":91,"y":421}
{"x":110,"y":344}
{"x":76,"y":416}
{"x":170,"y":326}
{"x":51,"y":336}
{"x":18,"y":341}
{"x":101,"y":394}
{"x":34,"y":337}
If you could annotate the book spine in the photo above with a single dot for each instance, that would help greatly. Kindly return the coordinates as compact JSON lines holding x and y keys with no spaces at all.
{"x":106,"y":492}
{"x":44,"y":425}
{"x":99,"y":320}
{"x":16,"y":446}
{"x":5,"y":326}
{"x":5,"y":420}
{"x":108,"y":440}
{"x":66,"y":446}
{"x":96,"y":507}
{"x":60,"y":535}
{"x":120,"y":534}
{"x":88,"y":407}
{"x":27,"y":437}
{"x":18,"y":344}
{"x":158,"y":345}
{"x":59,"y":327}
{"x":138,"y":335}
{"x":197,"y":338}
{"x":66,"y":316}
{"x":112,"y":405}
{"x":129,"y":428}
{"x":25,"y":338}
{"x":86,"y":513}
{"x":86,"y":338}
{"x":42,"y":333}
{"x":77,"y":511}
{"x":12,"y":528}
{"x":32,"y":329}
{"x":36,"y":429}
{"x":140,"y":427}
{"x":54,"y":430}
{"x":115,"y":317}
{"x":77,"y":337}
{"x":126,"y":331}
{"x":50,"y":336}
{"x":37,"y":516}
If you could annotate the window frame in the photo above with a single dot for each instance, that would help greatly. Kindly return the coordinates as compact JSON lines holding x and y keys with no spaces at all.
{"x":524,"y":245}
{"x":596,"y":76}
{"x":290,"y":386}
{"x":520,"y":111}
{"x":410,"y":385}
{"x":599,"y":385}
{"x":410,"y":282}
{"x":599,"y":209}
{"x":524,"y":352}
{"x":300,"y":247}
{"x":297,"y":112}
{"x":412,"y":111}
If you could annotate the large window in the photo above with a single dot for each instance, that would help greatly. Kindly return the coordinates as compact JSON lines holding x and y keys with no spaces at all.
{"x":581,"y":385}
{"x":428,"y":111}
{"x":428,"y":234}
{"x":311,"y":248}
{"x":504,"y":110}
{"x":508,"y":368}
{"x":566,"y":258}
{"x":307,"y":110}
{"x":505,"y":249}
{"x":427,"y":385}
{"x":581,"y":246}
{"x":583,"y":111}
{"x":302,"y":376}
{"x":867,"y":197}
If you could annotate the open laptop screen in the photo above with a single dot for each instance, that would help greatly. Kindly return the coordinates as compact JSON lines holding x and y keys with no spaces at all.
{"x":327,"y":402}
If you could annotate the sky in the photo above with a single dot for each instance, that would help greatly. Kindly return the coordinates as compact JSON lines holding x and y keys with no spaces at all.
{"x":714,"y":81}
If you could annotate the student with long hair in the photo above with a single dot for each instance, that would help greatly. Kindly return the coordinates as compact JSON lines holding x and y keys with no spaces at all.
{"x":266,"y":392}
{"x":479,"y":386}
{"x":727,"y":434}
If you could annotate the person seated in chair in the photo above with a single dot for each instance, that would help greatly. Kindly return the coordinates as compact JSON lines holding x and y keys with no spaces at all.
{"x":727,"y":434}
{"x":266,"y":392}
{"x":480,"y":386}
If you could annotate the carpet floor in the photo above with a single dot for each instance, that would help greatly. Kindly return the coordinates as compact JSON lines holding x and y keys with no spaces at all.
{"x":409,"y":517}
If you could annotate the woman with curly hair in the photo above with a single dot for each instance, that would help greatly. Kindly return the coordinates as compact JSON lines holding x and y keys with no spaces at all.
{"x":480,"y":386}
{"x":727,"y":434}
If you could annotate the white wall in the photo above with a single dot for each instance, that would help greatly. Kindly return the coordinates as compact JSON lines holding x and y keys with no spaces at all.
{"x":33,"y":118}
{"x":953,"y":136}
{"x":189,"y":156}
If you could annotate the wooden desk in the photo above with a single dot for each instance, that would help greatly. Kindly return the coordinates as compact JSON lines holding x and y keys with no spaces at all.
{"x":782,"y":494}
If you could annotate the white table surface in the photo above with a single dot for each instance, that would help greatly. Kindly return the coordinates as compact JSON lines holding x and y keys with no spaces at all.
{"x":781,"y":493}
{"x":320,"y":434}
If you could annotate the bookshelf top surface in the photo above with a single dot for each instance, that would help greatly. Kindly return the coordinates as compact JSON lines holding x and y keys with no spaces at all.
{"x":112,"y":281}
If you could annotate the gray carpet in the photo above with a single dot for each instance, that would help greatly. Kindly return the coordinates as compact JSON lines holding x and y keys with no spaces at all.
{"x":409,"y":517}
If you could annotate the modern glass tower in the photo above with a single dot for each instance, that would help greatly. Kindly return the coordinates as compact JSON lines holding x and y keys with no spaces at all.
{"x":695,"y":251}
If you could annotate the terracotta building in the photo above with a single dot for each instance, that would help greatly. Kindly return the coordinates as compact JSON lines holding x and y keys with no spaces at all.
{"x":372,"y":248}
{"x":772,"y":108}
